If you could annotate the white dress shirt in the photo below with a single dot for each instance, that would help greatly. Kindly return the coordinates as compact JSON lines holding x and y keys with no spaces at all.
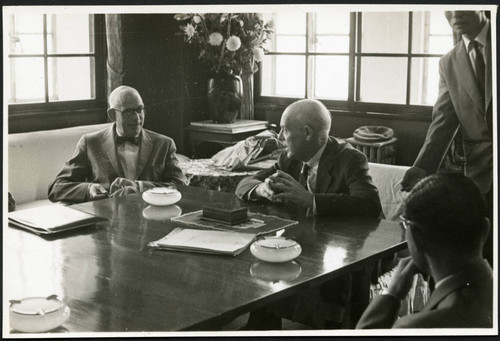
{"x":312,"y":175}
{"x":128,"y":156}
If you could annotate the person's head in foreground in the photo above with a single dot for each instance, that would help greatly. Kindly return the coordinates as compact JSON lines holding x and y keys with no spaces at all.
{"x":446,"y":227}
{"x":446,"y":224}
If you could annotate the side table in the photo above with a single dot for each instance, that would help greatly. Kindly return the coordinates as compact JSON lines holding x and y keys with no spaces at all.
{"x":223,"y":134}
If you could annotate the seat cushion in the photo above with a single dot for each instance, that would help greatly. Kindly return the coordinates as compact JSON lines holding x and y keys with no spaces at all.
{"x":387,"y":178}
{"x":35,"y":158}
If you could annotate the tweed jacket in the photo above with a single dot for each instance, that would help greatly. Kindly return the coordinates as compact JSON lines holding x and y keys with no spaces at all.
{"x":96,"y":161}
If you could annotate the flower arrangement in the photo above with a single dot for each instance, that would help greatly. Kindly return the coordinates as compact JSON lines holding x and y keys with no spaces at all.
{"x":229,"y":42}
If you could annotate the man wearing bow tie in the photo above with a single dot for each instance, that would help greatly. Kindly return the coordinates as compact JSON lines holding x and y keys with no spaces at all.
{"x":462,"y":115}
{"x":122,"y":159}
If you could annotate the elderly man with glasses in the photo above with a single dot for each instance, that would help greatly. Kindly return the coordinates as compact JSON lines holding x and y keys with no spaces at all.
{"x":446,"y":226}
{"x":122,"y":159}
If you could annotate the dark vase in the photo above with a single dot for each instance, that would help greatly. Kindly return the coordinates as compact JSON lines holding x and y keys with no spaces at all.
{"x":225,"y":92}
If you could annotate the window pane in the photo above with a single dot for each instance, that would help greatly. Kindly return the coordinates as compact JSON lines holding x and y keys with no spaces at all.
{"x":384,"y":32}
{"x":383,"y":80}
{"x":283,"y":76}
{"x":332,"y":32}
{"x":27,"y":80}
{"x":69,"y":78}
{"x":424,"y":81}
{"x":26,"y":33}
{"x":431,"y":33}
{"x":332,"y":21}
{"x":335,"y":44}
{"x":330,"y":77}
{"x":69,"y":33}
{"x":290,"y":43}
{"x":286,"y":24}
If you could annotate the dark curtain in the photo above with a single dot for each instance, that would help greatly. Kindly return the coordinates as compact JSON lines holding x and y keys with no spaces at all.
{"x":114,"y":41}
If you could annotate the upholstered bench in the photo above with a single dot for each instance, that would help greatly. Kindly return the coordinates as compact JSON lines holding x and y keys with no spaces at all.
{"x":35,"y":158}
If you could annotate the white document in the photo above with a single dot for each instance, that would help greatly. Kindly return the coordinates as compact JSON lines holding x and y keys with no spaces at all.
{"x":207,"y":241}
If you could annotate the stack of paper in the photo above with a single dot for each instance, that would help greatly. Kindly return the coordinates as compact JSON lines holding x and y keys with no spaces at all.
{"x":51,"y":219}
{"x":205,"y":241}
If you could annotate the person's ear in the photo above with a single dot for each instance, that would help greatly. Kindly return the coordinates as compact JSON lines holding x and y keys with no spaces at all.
{"x":308,"y":132}
{"x":485,"y":230}
{"x":112,"y":114}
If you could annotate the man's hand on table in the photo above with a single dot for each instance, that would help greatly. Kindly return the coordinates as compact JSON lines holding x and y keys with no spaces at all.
{"x":411,"y":177}
{"x":97,"y":191}
{"x":122,"y":186}
{"x":402,"y":279}
{"x":289,"y":189}
{"x":262,"y":191}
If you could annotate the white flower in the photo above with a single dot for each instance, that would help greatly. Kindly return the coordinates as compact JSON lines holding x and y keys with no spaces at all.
{"x":215,"y":39}
{"x":189,"y":30}
{"x":258,"y":54}
{"x":197,"y":19}
{"x":233,"y":43}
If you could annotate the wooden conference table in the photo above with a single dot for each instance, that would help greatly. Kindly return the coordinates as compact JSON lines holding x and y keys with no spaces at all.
{"x":113,"y":282}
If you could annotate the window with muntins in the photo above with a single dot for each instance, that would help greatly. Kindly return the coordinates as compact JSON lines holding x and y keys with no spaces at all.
{"x":355,"y":59}
{"x":55,"y":60}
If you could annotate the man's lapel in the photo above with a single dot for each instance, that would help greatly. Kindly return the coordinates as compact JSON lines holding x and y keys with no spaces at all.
{"x":489,"y":70}
{"x":109,"y":146}
{"x":324,"y":178}
{"x":145,"y":150}
{"x":464,"y":70}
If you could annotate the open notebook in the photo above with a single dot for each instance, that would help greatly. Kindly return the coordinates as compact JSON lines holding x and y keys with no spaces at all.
{"x":51,"y":219}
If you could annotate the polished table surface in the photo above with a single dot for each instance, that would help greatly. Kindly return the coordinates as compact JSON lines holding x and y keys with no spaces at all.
{"x":112,"y":281}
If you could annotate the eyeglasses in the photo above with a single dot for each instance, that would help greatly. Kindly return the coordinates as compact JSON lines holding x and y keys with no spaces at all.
{"x":128,"y":113}
{"x":405,"y":223}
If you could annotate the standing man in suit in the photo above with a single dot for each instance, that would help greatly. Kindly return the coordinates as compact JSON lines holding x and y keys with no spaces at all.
{"x":315,"y":171}
{"x":464,"y":107}
{"x":327,"y":177}
{"x":120,"y":160}
{"x":446,"y":226}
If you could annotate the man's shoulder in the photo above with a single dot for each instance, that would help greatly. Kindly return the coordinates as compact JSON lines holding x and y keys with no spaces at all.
{"x":96,"y":134}
{"x":157,"y":136}
{"x":341,"y":147}
{"x":453,"y":53}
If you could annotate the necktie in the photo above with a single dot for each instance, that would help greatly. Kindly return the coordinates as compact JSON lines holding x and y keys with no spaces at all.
{"x":480,"y":76}
{"x":123,"y":139}
{"x":480,"y":67}
{"x":304,"y":174}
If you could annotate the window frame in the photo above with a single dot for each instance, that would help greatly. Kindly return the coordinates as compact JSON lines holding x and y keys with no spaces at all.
{"x":59,"y":114}
{"x":353,"y":105}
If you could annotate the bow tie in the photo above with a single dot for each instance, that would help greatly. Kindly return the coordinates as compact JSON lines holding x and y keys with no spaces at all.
{"x":122,"y":139}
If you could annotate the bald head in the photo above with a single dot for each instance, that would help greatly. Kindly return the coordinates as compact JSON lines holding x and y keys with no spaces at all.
{"x":123,"y":95}
{"x":309,"y":112}
{"x":126,"y":108}
{"x":305,"y":125}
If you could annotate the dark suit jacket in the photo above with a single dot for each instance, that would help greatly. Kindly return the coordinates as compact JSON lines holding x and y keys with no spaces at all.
{"x":95,"y":160}
{"x":463,"y":301}
{"x":460,"y":104}
{"x":343,"y":186}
